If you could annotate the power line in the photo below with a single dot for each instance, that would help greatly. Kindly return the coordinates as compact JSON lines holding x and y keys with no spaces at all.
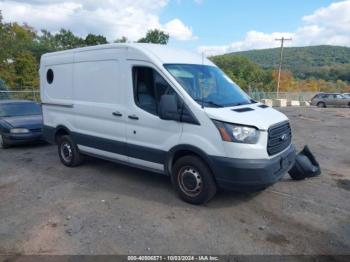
{"x":282,"y":40}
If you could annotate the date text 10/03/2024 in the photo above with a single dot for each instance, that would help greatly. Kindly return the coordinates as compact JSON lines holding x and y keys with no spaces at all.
{"x":173,"y":258}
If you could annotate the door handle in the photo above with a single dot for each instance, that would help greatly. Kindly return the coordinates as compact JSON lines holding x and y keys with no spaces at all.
{"x":117,"y":114}
{"x":134,"y":117}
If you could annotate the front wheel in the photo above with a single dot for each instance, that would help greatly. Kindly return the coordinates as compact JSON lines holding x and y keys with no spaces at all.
{"x":193,"y":180}
{"x":68,"y":152}
{"x":321,"y":104}
{"x":3,"y":143}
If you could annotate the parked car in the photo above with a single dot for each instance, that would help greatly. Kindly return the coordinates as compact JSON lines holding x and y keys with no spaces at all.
{"x":20,"y":121}
{"x":165,"y":110}
{"x":330,"y":99}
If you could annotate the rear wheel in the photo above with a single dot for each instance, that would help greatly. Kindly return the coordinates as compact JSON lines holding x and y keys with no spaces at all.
{"x":68,"y":151}
{"x":193,"y":180}
{"x":3,"y":142}
{"x":321,"y":104}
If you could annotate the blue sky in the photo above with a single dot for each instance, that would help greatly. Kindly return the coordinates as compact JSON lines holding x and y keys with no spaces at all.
{"x":209,"y":26}
{"x":222,"y":21}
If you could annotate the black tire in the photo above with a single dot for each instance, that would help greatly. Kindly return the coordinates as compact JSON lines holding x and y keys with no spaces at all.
{"x":193,"y":180}
{"x":3,"y":143}
{"x":321,"y":104}
{"x":297,"y":176}
{"x":68,"y":151}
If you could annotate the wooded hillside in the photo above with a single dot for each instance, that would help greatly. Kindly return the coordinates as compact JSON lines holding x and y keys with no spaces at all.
{"x":321,"y":62}
{"x":314,"y":68}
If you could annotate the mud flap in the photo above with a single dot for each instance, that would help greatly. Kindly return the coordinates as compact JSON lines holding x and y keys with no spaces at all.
{"x":305,"y":165}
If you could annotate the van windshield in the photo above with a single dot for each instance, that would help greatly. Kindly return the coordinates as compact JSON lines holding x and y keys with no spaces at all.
{"x":208,"y":85}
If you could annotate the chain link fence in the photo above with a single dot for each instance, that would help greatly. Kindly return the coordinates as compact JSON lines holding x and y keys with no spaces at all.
{"x":33,"y":95}
{"x":298,"y":96}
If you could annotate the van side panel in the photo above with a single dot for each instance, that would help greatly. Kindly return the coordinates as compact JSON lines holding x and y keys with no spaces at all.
{"x":57,"y":97}
{"x":98,"y":93}
{"x":97,"y":82}
{"x":60,"y":90}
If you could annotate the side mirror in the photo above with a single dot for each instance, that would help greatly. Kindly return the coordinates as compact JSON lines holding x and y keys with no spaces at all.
{"x":168,"y":109}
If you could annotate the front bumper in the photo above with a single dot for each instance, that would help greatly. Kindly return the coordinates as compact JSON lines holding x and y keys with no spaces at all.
{"x":23,"y":138}
{"x":249,"y":174}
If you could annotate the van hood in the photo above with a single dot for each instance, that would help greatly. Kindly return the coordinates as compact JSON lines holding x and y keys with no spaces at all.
{"x":251,"y":115}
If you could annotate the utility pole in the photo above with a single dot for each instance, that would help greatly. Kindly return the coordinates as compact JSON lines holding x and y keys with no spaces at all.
{"x":282,"y":40}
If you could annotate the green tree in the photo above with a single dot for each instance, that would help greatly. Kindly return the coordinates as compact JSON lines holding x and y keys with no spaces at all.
{"x":155,"y":37}
{"x":26,"y":68}
{"x":243,"y":71}
{"x":65,"y":39}
{"x":123,"y":39}
{"x":45,"y":42}
{"x":92,"y":39}
{"x":5,"y":44}
{"x":14,"y":38}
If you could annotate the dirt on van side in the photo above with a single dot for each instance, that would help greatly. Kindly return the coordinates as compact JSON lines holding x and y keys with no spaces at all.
{"x":106,"y":208}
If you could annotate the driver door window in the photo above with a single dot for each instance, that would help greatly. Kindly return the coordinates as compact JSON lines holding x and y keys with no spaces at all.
{"x":149,"y":86}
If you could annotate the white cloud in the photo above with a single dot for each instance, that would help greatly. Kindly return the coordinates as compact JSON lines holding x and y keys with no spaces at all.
{"x":199,"y":2}
{"x":334,"y":15}
{"x":178,"y":30}
{"x":252,"y":40}
{"x":327,"y":25}
{"x":113,"y":18}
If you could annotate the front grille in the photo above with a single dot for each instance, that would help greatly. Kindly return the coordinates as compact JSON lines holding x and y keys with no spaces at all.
{"x":280,"y":137}
{"x":34,"y":130}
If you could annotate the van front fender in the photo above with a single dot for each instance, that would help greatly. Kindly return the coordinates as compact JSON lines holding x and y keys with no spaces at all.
{"x":182,"y":150}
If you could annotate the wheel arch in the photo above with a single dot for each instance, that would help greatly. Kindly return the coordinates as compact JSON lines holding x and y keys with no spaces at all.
{"x":321,"y":103}
{"x":182,"y":150}
{"x":61,"y":130}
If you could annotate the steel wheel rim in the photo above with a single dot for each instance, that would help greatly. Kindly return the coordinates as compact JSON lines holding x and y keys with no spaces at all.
{"x":66,"y":152}
{"x":190,"y":181}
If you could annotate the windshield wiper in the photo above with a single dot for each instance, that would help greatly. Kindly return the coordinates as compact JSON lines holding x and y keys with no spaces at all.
{"x":212,"y":103}
{"x":243,"y":103}
{"x":237,"y":104}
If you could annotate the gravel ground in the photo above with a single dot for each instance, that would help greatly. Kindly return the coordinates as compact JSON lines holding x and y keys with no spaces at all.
{"x":106,"y":208}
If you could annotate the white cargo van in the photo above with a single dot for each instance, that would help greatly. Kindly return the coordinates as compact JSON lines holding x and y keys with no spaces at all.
{"x":164,"y":110}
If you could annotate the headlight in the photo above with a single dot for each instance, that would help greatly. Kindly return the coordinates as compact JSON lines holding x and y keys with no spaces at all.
{"x":237,"y":133}
{"x":19,"y":131}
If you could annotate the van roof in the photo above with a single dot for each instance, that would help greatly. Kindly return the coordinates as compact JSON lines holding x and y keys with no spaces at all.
{"x":163,"y":53}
